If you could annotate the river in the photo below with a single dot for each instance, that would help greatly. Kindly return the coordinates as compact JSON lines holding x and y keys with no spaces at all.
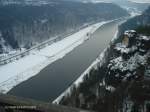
{"x":58,"y":76}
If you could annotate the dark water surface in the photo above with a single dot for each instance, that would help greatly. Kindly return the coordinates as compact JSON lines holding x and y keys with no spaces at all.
{"x":56,"y":77}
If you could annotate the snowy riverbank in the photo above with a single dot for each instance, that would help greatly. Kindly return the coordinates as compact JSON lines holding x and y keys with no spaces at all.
{"x":20,"y":70}
{"x":99,"y":61}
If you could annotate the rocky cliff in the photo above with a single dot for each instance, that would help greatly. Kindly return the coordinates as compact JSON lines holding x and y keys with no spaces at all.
{"x":122,"y":83}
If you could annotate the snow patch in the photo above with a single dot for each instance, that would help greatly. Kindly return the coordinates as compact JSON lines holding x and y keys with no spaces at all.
{"x":33,"y":63}
{"x":120,"y":64}
{"x":123,"y":49}
{"x":140,"y":1}
{"x":110,"y":88}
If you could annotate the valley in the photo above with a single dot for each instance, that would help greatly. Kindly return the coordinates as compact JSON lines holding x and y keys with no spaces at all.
{"x":92,"y":55}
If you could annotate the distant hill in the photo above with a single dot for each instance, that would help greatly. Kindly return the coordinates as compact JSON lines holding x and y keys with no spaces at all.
{"x":25,"y":23}
{"x":143,"y":30}
{"x":142,"y":20}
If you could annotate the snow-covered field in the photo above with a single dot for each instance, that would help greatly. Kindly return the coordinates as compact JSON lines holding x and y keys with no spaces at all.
{"x":20,"y":70}
{"x":140,"y":1}
{"x":109,"y":1}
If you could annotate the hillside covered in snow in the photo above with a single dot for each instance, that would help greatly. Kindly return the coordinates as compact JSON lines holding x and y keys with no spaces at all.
{"x":37,"y":59}
{"x":25,"y":23}
{"x":120,"y":82}
{"x":138,"y":21}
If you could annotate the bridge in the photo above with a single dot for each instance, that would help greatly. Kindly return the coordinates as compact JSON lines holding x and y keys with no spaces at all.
{"x":10,"y":103}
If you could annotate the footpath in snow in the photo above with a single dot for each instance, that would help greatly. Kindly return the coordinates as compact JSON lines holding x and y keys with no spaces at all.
{"x":20,"y":70}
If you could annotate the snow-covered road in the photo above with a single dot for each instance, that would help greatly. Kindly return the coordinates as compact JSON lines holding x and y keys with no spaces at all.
{"x":20,"y":70}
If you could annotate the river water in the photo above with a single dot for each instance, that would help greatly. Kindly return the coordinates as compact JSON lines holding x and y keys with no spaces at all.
{"x":58,"y":76}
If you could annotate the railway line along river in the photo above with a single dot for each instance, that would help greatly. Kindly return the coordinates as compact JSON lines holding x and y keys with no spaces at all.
{"x":56,"y":77}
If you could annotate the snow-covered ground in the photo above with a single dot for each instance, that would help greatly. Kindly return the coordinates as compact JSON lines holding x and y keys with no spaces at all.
{"x":28,"y":2}
{"x":109,"y":1}
{"x":96,"y":1}
{"x":20,"y":70}
{"x":140,"y":1}
{"x":99,"y":61}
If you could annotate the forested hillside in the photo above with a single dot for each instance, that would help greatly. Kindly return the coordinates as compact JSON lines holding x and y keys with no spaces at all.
{"x":23,"y":24}
{"x":142,"y":20}
{"x":121,"y":84}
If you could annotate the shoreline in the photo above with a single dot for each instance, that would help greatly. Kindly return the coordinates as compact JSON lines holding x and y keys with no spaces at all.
{"x":98,"y":61}
{"x":43,"y":58}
